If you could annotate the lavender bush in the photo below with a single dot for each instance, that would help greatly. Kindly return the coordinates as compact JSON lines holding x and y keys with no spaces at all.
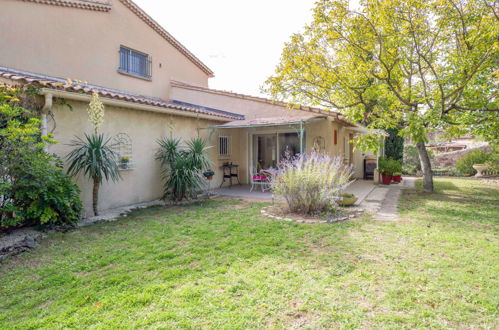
{"x":311,"y":183}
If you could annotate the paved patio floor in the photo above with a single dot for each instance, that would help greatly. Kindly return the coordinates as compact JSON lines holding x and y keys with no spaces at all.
{"x":360,"y":188}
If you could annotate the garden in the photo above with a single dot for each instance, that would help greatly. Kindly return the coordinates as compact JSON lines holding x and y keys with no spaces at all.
{"x":220,"y":264}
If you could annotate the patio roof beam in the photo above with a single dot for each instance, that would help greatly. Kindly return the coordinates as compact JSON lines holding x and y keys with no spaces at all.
{"x":298,"y":122}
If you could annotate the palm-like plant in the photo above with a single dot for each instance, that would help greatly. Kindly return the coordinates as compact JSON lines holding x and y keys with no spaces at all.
{"x":97,"y":160}
{"x":182,"y":167}
{"x":197,"y":149}
{"x":169,"y":149}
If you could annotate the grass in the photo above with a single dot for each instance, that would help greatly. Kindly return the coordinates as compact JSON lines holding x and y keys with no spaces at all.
{"x":220,"y":264}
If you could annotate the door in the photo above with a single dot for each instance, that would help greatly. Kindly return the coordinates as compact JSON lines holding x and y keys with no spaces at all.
{"x":264,"y":151}
{"x":348,"y":149}
{"x":270,"y":149}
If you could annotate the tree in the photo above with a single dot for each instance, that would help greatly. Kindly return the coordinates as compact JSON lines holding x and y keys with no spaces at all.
{"x":394,"y":145}
{"x":94,"y":155}
{"x":416,"y":64}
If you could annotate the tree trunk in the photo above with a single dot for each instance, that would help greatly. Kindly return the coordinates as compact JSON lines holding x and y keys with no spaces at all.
{"x":95,"y":196}
{"x":426,"y":167}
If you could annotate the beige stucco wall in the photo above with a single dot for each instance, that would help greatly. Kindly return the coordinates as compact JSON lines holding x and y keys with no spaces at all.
{"x":140,"y":184}
{"x":249,"y":108}
{"x":83,"y":44}
{"x":241,"y":146}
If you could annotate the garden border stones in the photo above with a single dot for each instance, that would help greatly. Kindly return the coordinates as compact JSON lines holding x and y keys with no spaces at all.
{"x":266,"y":213}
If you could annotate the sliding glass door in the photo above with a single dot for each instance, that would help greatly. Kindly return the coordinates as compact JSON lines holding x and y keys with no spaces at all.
{"x":270,"y":149}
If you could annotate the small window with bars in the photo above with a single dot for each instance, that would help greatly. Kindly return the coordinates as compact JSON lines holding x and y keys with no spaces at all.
{"x":135,"y":63}
{"x":224,"y":147}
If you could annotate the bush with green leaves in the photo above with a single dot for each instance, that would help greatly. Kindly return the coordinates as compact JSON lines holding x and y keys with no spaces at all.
{"x":42,"y":194}
{"x":182,"y":167}
{"x":34,"y":190}
{"x":389,"y":166}
{"x":311,"y":183}
{"x":464,"y":166}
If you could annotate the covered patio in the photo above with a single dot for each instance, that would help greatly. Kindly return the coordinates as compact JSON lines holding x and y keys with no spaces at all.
{"x":245,"y":150}
{"x":360,"y":188}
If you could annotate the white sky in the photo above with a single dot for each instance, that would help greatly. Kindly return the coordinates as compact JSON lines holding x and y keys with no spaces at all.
{"x":240,"y":40}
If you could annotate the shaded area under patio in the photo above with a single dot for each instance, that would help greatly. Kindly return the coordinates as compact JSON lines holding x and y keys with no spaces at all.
{"x":360,"y":188}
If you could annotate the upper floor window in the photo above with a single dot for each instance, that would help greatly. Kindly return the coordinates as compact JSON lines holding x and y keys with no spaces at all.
{"x":135,"y":63}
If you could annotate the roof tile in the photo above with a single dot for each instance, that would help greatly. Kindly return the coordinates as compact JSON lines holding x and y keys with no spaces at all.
{"x":68,"y":85}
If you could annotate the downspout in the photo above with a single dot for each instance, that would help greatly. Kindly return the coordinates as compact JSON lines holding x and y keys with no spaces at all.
{"x":301,"y":137}
{"x":47,"y":107}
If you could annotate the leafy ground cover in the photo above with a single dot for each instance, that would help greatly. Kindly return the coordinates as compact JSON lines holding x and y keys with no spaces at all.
{"x":220,"y":264}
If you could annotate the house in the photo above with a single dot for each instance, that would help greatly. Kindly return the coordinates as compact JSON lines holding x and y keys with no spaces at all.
{"x":149,"y":83}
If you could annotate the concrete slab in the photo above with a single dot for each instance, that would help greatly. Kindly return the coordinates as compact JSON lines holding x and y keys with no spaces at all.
{"x":360,"y":188}
{"x":378,"y":194}
{"x":243,"y":191}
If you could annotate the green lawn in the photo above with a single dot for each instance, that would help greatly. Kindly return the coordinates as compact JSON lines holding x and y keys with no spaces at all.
{"x":221,"y":264}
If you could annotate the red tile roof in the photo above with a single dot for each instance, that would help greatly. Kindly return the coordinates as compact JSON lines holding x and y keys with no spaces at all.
{"x":82,"y":4}
{"x":339,"y":117}
{"x":44,"y":81}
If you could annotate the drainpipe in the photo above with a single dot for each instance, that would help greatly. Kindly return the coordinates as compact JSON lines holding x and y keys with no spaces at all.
{"x":45,"y":110}
{"x":301,"y":137}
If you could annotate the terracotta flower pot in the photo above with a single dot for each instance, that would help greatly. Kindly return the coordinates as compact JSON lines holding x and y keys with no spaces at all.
{"x":386,"y":179}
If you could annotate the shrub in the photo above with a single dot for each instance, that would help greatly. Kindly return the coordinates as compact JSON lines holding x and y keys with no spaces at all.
{"x":182,"y":167}
{"x":311,"y":183}
{"x":464,"y":166}
{"x":41,"y":194}
{"x":33,"y":188}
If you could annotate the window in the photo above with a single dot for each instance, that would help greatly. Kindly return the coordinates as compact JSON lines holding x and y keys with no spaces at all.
{"x":224,"y":148}
{"x":335,"y":137}
{"x":135,"y":63}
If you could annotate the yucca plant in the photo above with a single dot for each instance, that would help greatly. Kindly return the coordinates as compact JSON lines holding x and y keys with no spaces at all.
{"x":182,"y":166}
{"x":95,"y":158}
{"x":169,"y":150}
{"x":197,"y":149}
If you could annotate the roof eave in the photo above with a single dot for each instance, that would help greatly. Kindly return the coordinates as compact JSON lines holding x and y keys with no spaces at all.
{"x":82,"y":97}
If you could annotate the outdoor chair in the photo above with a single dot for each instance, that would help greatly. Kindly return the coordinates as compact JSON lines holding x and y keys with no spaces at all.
{"x":260,"y":179}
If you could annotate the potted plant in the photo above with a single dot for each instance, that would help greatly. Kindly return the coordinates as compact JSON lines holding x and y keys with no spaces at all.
{"x":124,"y":161}
{"x":397,"y":170}
{"x":397,"y":177}
{"x":386,"y":170}
{"x":208,"y":174}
